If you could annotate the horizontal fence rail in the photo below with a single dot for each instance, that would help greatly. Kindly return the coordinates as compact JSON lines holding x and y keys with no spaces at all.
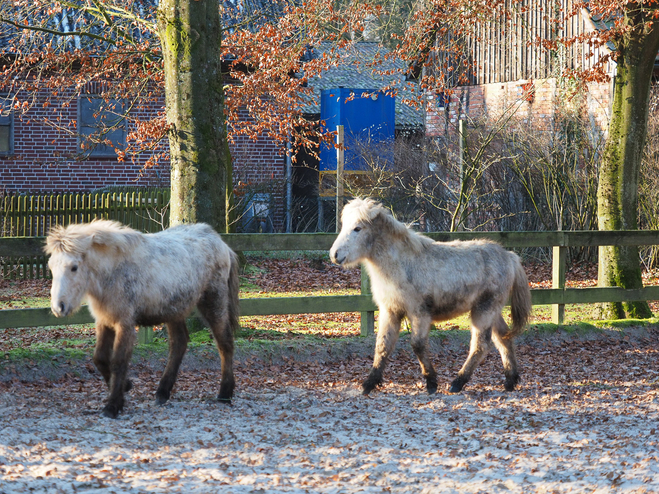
{"x":275,"y":242}
{"x":557,"y":296}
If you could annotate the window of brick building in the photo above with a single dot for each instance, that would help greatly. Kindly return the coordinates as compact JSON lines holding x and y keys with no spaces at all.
{"x":6,"y":128}
{"x":102,"y":126}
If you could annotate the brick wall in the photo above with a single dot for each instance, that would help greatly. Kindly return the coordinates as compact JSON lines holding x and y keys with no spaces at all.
{"x":43,"y":157}
{"x":259,"y":166}
{"x":491,"y":101}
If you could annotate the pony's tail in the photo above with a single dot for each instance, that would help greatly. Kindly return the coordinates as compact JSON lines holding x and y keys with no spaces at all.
{"x":234,"y":288}
{"x":520,"y":300}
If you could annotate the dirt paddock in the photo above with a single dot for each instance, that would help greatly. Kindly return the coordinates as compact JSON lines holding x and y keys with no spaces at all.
{"x":584,"y":419}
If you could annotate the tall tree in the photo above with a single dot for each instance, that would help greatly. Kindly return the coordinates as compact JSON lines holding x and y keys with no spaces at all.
{"x":636,"y":43}
{"x":190,"y":39}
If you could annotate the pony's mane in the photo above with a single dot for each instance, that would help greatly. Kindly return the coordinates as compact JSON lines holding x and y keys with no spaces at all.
{"x":367,"y":210}
{"x":79,"y":238}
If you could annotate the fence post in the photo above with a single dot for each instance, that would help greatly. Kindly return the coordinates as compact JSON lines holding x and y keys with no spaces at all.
{"x":145,"y":334}
{"x":367,"y":318}
{"x":340,"y":156}
{"x":558,"y":261}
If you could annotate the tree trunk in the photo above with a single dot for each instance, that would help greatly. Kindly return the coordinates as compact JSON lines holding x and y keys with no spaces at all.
{"x":190,"y":35}
{"x":617,"y":194}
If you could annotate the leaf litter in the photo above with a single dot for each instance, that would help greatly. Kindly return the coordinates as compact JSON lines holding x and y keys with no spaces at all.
{"x":584,"y":419}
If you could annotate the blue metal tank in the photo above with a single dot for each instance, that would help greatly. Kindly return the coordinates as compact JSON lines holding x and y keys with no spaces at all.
{"x":368,"y":117}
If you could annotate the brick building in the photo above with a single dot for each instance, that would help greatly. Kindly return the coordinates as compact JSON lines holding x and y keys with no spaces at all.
{"x":38,"y":157}
{"x":536,"y":101}
{"x":47,"y":148}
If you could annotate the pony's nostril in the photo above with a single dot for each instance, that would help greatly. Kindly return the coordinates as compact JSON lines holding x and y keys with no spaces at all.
{"x":61,"y":307}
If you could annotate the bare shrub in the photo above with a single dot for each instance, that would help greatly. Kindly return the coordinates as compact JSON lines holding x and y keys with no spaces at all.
{"x":648,"y":193}
{"x":513,"y":175}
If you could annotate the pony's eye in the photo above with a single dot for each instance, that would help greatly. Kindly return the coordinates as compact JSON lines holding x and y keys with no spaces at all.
{"x":358,"y":229}
{"x":74,"y":269}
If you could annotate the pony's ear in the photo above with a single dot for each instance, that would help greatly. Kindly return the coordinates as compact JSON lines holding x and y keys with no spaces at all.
{"x":379,"y":218}
{"x":103,"y":241}
{"x":384,"y":220}
{"x":100,"y":239}
{"x":114,"y":236}
{"x":53,"y":242}
{"x":376,"y":212}
{"x":380,"y":214}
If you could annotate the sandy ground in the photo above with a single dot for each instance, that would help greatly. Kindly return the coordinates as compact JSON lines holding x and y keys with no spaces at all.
{"x":584,"y":419}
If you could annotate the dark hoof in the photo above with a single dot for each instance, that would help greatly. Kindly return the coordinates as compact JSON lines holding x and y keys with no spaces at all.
{"x":368,"y":386}
{"x":511,"y":382}
{"x":111,"y":411}
{"x":431,"y":387}
{"x":457,"y":385}
{"x":224,"y":401}
{"x":226,"y":393}
{"x":372,"y":381}
{"x":128,"y":385}
{"x":162,"y":397}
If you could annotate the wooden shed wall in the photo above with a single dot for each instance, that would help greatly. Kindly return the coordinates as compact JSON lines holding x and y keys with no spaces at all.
{"x":508,"y":48}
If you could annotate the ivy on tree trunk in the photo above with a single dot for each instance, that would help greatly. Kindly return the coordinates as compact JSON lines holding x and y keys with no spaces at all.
{"x":190,"y":34}
{"x":617,"y":195}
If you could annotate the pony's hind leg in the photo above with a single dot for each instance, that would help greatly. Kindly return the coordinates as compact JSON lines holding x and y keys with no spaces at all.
{"x":420,"y":330}
{"x":481,"y":339}
{"x":504,"y":343}
{"x":388,"y":331}
{"x":214,"y":308}
{"x":177,"y":334}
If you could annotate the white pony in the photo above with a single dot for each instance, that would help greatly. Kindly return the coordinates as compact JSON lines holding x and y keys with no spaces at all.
{"x":130,"y":279}
{"x":412,"y":276}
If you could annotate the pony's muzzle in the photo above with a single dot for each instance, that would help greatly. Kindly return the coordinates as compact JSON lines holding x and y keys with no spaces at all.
{"x":335,"y":259}
{"x":60,"y":310}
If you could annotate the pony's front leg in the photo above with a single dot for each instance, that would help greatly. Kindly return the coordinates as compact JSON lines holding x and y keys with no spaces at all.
{"x":103,"y":350}
{"x":177,"y":334}
{"x":388,"y":331}
{"x":420,"y":330}
{"x":103,"y":353}
{"x":121,"y":354}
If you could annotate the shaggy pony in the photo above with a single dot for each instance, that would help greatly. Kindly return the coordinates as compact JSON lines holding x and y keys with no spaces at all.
{"x":131,"y":279}
{"x":412,"y":276}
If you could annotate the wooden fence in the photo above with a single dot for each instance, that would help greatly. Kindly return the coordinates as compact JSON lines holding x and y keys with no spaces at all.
{"x":34,"y":215}
{"x":557,"y":296}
